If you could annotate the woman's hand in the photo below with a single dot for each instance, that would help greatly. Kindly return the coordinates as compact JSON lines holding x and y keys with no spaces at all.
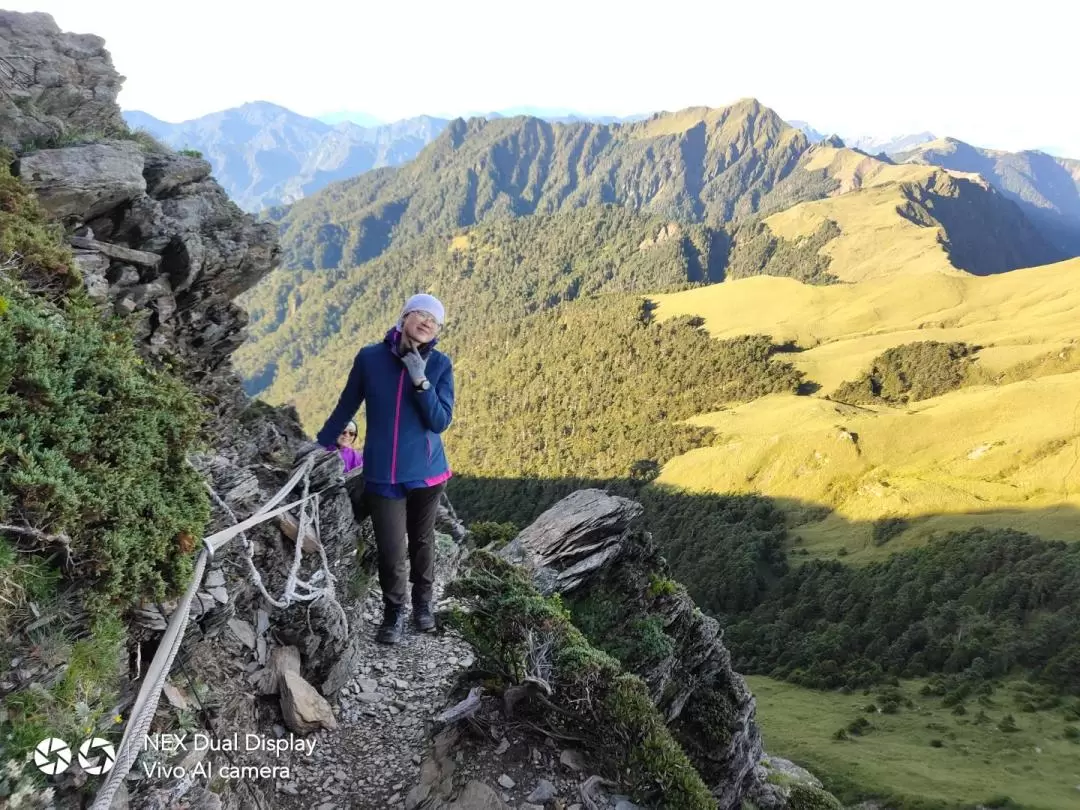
{"x":415,"y":364}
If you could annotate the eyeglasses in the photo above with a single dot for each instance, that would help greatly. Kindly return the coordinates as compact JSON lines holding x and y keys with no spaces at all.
{"x":425,"y":317}
{"x":348,"y":433}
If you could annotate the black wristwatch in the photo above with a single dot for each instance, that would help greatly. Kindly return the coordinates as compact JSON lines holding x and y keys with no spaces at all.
{"x":423,"y":385}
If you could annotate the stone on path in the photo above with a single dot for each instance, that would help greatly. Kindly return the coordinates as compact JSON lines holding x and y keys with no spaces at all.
{"x":544,"y":792}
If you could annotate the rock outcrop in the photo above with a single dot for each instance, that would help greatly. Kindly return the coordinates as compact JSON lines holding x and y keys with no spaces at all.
{"x":54,"y":84}
{"x":590,"y":549}
{"x":158,"y":242}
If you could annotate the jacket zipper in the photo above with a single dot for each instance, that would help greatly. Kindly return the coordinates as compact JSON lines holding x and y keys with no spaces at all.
{"x":397,"y":427}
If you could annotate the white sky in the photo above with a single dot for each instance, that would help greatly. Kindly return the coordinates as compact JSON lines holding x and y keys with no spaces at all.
{"x":954,"y":67}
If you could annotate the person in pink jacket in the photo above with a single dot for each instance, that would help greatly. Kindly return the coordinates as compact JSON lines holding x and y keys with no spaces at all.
{"x":349,"y":455}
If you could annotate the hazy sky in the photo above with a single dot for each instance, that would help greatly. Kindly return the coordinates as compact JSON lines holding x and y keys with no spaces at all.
{"x":996,"y":78}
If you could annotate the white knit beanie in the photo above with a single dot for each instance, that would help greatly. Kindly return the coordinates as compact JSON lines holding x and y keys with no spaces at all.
{"x":425,"y":302}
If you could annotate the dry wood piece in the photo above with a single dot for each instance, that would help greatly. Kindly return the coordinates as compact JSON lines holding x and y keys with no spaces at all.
{"x":466,"y":708}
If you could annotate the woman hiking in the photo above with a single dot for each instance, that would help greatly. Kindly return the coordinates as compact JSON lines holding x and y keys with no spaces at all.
{"x":409,"y":389}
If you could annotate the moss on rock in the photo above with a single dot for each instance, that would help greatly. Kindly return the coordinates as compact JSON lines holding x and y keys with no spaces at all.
{"x":519,"y":634}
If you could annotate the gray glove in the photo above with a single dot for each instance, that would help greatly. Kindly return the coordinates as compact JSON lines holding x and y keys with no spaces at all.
{"x":415,"y":365}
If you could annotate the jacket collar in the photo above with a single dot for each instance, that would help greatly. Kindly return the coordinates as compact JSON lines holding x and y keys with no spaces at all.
{"x":393,"y":340}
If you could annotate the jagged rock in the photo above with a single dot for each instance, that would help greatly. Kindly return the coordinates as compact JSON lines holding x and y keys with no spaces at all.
{"x":142,"y":294}
{"x":165,"y":305}
{"x":65,"y":82}
{"x":436,"y":774}
{"x":83,"y":182}
{"x":571,"y":759}
{"x":243,"y":631}
{"x":579,"y":535}
{"x":303,"y":709}
{"x":215,"y":578}
{"x":120,"y":275}
{"x":477,"y":796}
{"x":118,"y":252}
{"x":589,"y":544}
{"x":165,"y":173}
{"x":543,"y":793}
{"x":92,"y":267}
{"x":344,"y":666}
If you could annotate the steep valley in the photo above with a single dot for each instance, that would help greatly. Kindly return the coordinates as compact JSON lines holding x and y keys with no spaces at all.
{"x":702,"y":358}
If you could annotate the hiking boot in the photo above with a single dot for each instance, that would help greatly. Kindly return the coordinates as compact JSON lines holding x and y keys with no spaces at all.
{"x":422,"y":616}
{"x":393,"y":625}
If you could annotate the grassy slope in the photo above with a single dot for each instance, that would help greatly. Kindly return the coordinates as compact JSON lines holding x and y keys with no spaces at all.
{"x":912,"y":461}
{"x":987,"y":456}
{"x":1035,"y":766}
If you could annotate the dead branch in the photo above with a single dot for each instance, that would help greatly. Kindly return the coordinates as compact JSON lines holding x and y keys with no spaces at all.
{"x":466,"y":708}
{"x":42,"y":537}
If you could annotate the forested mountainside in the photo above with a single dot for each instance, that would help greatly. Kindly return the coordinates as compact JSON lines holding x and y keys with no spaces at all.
{"x":698,"y":165}
{"x":818,"y":374}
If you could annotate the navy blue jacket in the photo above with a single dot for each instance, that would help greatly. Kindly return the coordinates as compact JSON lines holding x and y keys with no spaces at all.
{"x":402,"y":441}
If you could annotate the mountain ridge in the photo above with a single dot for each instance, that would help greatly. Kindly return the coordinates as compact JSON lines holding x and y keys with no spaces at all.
{"x":265,"y":154}
{"x":1045,"y":187}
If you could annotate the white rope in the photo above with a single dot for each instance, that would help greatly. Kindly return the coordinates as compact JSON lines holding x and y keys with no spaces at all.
{"x":146,"y":702}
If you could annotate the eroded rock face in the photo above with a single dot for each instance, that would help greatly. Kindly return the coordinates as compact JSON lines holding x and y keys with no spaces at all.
{"x":157,"y":241}
{"x":55,"y":83}
{"x":82,"y":182}
{"x":590,"y":548}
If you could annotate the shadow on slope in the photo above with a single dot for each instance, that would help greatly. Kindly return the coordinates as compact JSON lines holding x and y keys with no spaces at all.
{"x":984,"y":602}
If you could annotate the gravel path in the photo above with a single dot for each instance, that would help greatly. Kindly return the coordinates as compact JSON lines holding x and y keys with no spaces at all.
{"x":384,"y":714}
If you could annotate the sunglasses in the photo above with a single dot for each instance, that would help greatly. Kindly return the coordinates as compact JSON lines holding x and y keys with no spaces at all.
{"x":348,"y":433}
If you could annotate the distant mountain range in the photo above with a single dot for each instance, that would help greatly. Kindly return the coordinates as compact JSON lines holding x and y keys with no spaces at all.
{"x":699,"y":165}
{"x":891,"y":145}
{"x":695,"y":165}
{"x":871,"y":144}
{"x":266,"y":155}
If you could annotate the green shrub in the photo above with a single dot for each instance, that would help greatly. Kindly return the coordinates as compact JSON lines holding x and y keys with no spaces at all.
{"x":195,"y":153}
{"x":93,"y":445}
{"x":806,"y":797}
{"x":662,"y":586}
{"x":859,"y":726}
{"x":486,"y":532}
{"x":885,"y":529}
{"x":1072,"y":733}
{"x":910,"y":373}
{"x":756,"y":250}
{"x":519,"y":633}
{"x":31,"y":248}
{"x":1008,"y":724}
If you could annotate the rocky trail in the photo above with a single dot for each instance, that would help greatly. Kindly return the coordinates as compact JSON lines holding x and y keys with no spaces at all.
{"x":373,"y":758}
{"x":382,"y":754}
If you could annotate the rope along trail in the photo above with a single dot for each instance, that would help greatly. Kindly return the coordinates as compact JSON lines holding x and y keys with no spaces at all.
{"x":296,"y":590}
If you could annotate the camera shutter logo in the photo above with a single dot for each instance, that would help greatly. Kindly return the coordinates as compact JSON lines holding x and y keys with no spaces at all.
{"x":52,"y":756}
{"x":96,"y":747}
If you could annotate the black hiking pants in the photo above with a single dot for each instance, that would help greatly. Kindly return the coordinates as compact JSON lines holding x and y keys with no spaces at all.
{"x":405,"y":526}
